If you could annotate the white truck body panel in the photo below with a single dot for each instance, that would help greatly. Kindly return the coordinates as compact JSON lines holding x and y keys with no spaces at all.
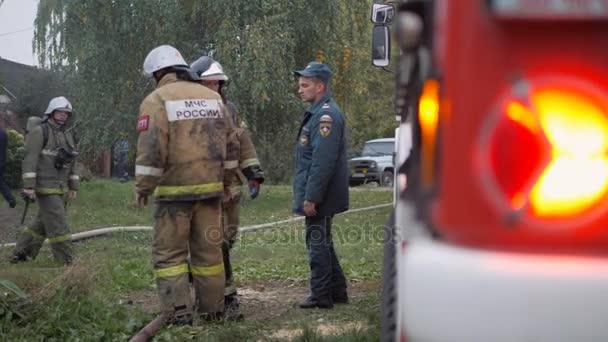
{"x":456,"y":294}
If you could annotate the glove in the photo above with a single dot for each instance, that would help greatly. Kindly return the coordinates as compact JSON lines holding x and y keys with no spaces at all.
{"x":254,"y":188}
{"x":28,"y":195}
{"x":141,"y":200}
{"x":254,"y":172}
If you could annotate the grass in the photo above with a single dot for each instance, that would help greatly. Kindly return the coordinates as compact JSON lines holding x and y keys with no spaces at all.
{"x":100,"y":297}
{"x":271,"y":254}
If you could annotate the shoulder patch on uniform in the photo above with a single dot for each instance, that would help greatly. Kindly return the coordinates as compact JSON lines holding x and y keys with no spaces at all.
{"x":193,"y":109}
{"x":325,"y":106}
{"x":325,"y":129}
{"x":326,"y":118}
{"x":143,"y":122}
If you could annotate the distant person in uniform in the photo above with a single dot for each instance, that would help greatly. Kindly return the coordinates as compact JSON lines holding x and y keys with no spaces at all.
{"x":49,"y":177}
{"x":121,"y":151}
{"x":4,"y":188}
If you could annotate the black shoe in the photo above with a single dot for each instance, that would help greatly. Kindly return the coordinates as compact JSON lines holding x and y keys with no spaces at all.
{"x":17,"y":258}
{"x":212,"y":317}
{"x":311,"y":303}
{"x":180,"y":320}
{"x":12,"y":203}
{"x":232,"y":308}
{"x":340,"y":299}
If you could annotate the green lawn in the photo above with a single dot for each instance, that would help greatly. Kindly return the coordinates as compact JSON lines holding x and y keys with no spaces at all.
{"x":109,"y":293}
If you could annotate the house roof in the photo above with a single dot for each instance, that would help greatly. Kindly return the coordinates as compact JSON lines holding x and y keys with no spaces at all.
{"x":14,"y":76}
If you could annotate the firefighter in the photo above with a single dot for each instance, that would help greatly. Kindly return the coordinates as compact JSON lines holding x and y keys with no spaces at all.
{"x":212,"y":76}
{"x":49,"y":172}
{"x":184,"y":134}
{"x":321,"y":184}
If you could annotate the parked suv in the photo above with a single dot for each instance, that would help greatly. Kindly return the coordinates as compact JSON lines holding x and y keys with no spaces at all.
{"x":375,"y":163}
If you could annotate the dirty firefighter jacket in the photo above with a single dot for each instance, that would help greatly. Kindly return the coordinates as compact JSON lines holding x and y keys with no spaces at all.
{"x":249,"y":165}
{"x":183,"y":136}
{"x":38,"y":166}
{"x":321,"y":174}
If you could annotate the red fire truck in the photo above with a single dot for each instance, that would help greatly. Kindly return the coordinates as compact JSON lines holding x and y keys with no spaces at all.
{"x":500,"y":230}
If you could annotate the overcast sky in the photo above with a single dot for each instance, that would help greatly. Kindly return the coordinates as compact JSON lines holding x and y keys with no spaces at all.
{"x":17,"y":15}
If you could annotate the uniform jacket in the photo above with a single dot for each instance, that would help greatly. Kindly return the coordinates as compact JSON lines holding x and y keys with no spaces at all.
{"x":247,"y":155}
{"x":321,"y":174}
{"x":184,"y":133}
{"x":38,"y":166}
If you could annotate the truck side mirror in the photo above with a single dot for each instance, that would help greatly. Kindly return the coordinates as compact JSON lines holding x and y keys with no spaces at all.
{"x":381,"y":46}
{"x":382,"y":14}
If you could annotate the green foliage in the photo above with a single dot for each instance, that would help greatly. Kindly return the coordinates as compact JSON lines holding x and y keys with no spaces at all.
{"x":14,"y":156}
{"x":100,"y":46}
{"x":69,"y":308}
{"x":11,"y":298}
{"x":10,"y":289}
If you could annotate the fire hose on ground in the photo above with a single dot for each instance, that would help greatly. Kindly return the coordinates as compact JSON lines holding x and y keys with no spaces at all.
{"x":105,"y":231}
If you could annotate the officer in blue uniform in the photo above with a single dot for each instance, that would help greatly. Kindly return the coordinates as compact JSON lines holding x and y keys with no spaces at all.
{"x":321,"y":184}
{"x":4,"y":188}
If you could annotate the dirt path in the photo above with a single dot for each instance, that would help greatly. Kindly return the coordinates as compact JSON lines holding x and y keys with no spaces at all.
{"x":259,"y":301}
{"x":9,"y":221}
{"x":273,"y":301}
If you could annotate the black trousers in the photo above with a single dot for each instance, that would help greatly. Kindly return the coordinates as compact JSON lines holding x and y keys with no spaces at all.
{"x":326,"y":275}
{"x":5,"y":190}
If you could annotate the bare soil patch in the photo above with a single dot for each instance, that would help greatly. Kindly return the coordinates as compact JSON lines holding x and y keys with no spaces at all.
{"x":259,"y":301}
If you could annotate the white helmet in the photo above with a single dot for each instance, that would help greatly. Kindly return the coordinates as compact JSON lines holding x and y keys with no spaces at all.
{"x":215,"y":72}
{"x":208,"y":69}
{"x":58,"y":103}
{"x":162,"y":57}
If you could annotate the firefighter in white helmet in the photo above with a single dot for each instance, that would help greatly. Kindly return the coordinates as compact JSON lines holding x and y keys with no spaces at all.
{"x":182,"y":155}
{"x":212,"y":76}
{"x":49,"y":175}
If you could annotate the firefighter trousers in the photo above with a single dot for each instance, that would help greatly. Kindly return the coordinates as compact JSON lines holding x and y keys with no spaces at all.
{"x":230,"y":221}
{"x":49,"y":224}
{"x":182,"y":228}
